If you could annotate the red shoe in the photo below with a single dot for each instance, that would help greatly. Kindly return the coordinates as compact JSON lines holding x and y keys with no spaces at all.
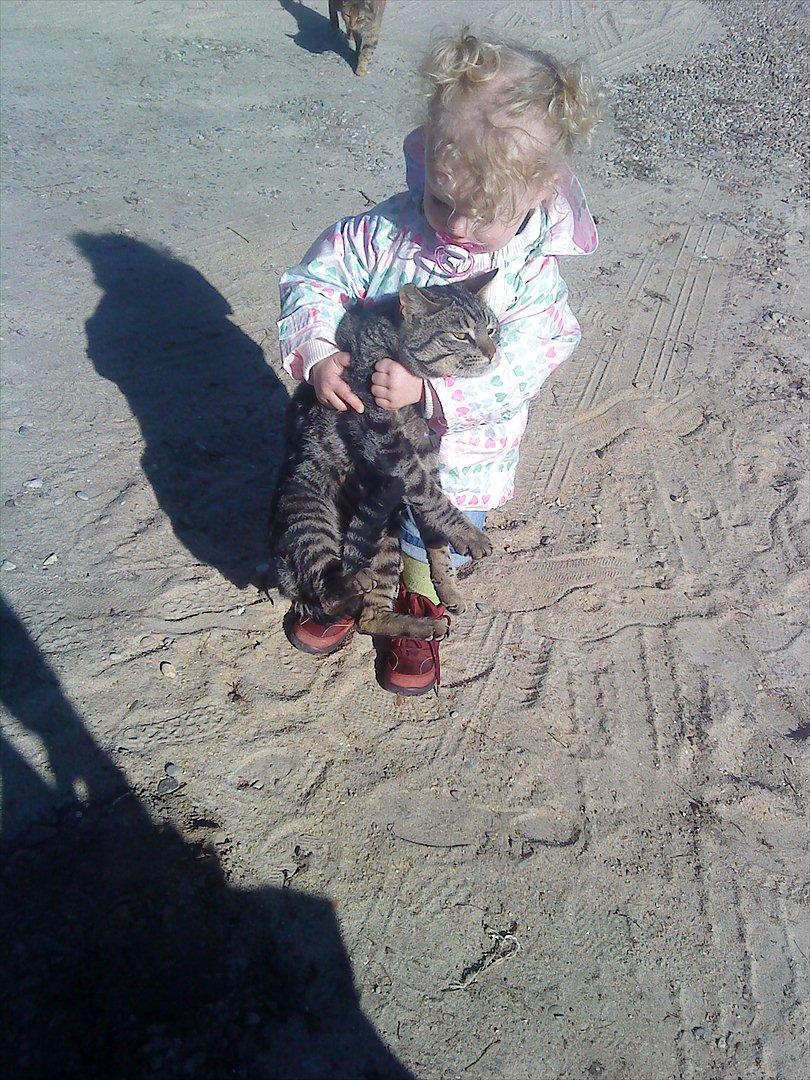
{"x":319,"y":639}
{"x":411,"y":665}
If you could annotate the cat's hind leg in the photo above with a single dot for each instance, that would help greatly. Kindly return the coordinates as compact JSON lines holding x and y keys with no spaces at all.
{"x":310,"y":556}
{"x":371,"y":521}
{"x":356,"y":574}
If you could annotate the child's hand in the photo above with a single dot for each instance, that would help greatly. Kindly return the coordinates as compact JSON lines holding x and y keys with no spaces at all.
{"x":330,"y":387}
{"x":393,"y":386}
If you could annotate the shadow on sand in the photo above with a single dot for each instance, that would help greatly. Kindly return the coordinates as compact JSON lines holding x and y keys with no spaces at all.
{"x":210,"y":409}
{"x":315,"y":32}
{"x":124,"y":952}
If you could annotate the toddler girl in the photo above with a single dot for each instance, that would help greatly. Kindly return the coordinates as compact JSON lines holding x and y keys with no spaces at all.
{"x":489,"y":186}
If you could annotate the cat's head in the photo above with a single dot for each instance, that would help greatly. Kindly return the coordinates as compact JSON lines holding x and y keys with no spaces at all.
{"x":355,"y":12}
{"x":447,"y":329}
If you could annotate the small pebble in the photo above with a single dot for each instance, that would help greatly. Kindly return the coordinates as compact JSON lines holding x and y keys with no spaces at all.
{"x":23,"y":429}
{"x":9,"y":503}
{"x":35,"y":484}
{"x":8,"y":565}
{"x":115,"y":657}
{"x":168,"y":669}
{"x":51,"y":560}
{"x":168,"y":785}
{"x":171,"y":770}
{"x":240,"y":610}
{"x":82,"y":496}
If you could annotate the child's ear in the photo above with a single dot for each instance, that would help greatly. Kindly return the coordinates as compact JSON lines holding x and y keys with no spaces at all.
{"x":412,"y":301}
{"x":478,"y":282}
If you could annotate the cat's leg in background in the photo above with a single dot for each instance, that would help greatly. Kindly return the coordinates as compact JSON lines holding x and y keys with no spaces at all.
{"x":342,"y":592}
{"x":367,"y":35}
{"x":364,"y":54}
{"x":333,"y":14}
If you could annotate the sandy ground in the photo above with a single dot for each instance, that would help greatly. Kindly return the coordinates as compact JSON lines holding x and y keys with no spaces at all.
{"x":586,"y":857}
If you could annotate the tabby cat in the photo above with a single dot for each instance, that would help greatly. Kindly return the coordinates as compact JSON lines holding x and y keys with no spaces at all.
{"x":335,"y":532}
{"x":362,"y":19}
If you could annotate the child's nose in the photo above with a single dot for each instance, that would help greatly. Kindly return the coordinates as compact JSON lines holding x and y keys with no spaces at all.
{"x":457,"y":226}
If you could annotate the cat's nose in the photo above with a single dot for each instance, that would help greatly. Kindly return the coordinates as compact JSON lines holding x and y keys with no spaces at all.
{"x":488,"y":348}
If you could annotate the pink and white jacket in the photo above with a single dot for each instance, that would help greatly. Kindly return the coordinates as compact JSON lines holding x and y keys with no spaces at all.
{"x":374,"y":253}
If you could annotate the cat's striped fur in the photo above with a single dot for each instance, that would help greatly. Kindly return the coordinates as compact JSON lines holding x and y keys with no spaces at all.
{"x":335,"y":532}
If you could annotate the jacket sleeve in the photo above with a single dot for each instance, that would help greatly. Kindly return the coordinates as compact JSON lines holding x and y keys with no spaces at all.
{"x":537,"y":333}
{"x":315,"y":294}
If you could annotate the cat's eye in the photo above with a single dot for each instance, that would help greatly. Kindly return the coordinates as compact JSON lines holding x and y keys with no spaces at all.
{"x":461,"y":337}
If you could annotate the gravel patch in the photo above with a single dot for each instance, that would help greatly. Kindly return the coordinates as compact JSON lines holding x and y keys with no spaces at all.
{"x":738,"y":106}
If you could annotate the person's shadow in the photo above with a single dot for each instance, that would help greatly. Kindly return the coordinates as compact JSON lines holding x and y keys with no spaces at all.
{"x":125,"y":952}
{"x":210,"y":409}
{"x":316,"y":34}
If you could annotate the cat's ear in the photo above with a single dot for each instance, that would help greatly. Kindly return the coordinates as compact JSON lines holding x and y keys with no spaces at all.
{"x":478,"y":282}
{"x":413,"y":301}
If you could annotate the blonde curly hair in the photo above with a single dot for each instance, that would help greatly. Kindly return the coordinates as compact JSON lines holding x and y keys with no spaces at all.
{"x":527,"y":110}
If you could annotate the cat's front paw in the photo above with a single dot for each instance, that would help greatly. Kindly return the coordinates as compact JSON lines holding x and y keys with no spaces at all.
{"x":362,"y":581}
{"x":343,"y":595}
{"x":474,"y":543}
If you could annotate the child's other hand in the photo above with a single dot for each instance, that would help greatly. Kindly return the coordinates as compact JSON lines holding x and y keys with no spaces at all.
{"x":394,"y":387}
{"x":330,"y":387}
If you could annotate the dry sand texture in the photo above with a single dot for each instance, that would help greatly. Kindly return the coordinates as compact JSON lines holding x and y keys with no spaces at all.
{"x":586,"y":857}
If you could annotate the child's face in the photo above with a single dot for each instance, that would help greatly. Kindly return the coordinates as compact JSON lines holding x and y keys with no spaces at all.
{"x":453,"y":224}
